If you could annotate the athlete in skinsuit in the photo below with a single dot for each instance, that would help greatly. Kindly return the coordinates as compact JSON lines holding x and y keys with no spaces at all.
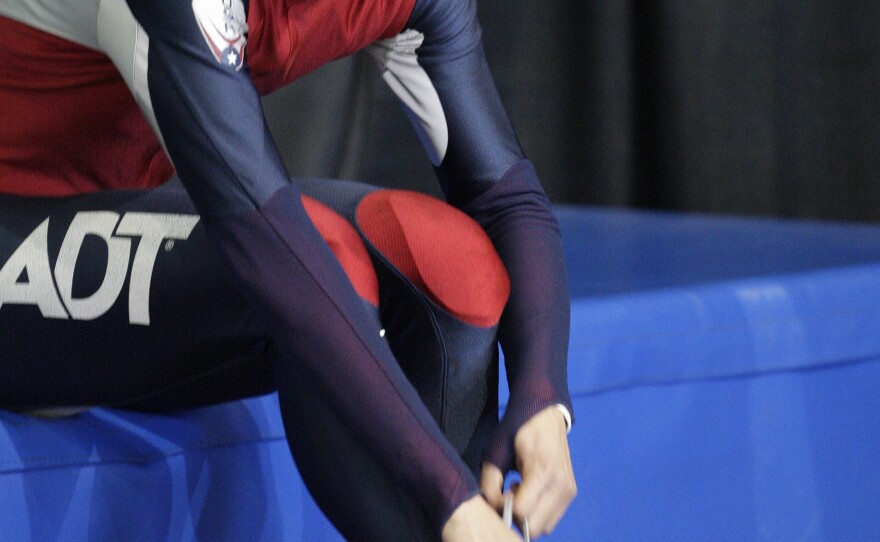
{"x":190,"y":73}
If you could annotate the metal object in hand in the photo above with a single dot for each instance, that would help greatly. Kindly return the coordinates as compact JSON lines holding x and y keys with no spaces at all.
{"x":507,"y":516}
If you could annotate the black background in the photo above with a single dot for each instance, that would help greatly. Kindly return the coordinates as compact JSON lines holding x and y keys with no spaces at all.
{"x":756,"y":108}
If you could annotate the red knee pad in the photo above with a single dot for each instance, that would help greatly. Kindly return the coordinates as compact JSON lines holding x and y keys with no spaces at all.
{"x":441,"y":250}
{"x":348,"y":248}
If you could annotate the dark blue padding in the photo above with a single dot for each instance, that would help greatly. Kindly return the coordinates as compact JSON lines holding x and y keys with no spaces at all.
{"x":725,"y":372}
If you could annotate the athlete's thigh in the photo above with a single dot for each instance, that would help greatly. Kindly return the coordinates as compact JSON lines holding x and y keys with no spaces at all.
{"x":113,"y":298}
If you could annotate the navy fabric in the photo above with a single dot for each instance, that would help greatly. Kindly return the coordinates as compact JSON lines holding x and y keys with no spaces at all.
{"x":725,"y":369}
{"x":451,"y":363}
{"x":534,"y":331}
{"x":176,"y":347}
{"x":485,"y":173}
{"x":226,"y":353}
{"x":482,"y":143}
{"x":227,"y":162}
{"x":425,"y":463}
{"x":210,"y":118}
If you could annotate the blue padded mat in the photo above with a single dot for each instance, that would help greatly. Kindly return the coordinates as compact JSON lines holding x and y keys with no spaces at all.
{"x":726,"y":380}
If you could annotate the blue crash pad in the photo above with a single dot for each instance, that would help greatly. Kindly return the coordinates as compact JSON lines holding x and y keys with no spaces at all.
{"x":725,"y":374}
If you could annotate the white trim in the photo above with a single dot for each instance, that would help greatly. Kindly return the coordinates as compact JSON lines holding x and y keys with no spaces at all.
{"x":565,"y":414}
{"x":140,"y":86}
{"x":72,"y":20}
{"x":410,"y":82}
{"x":126,"y":42}
{"x":117,"y":32}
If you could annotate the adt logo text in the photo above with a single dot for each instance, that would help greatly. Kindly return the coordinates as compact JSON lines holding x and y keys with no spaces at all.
{"x":51,"y":290}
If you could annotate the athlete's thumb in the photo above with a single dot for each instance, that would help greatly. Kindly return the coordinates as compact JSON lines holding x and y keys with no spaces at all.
{"x":491,"y":485}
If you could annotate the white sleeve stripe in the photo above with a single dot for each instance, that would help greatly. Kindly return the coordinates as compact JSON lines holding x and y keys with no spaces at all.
{"x":126,"y":42}
{"x":140,"y":86}
{"x":410,"y":82}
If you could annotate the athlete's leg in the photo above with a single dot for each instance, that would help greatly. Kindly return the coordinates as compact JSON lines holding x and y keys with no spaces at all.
{"x":111,"y":298}
{"x":122,"y":288}
{"x":200,"y":348}
{"x":442,"y":291}
{"x":94,"y":313}
{"x":359,"y":497}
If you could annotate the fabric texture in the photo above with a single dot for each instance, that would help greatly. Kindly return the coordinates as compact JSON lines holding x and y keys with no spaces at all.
{"x":226,"y":352}
{"x":208,"y":111}
{"x":428,"y":260}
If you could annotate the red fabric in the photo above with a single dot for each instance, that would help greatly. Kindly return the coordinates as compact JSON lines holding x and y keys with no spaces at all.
{"x":348,"y":248}
{"x":441,"y":250}
{"x":283,"y":34}
{"x":68,"y":123}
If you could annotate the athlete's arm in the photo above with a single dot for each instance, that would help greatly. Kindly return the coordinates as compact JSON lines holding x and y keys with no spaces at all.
{"x":210,"y":119}
{"x":440,"y":74}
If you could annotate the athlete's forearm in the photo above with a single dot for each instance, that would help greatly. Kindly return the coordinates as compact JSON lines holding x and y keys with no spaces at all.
{"x":210,"y":118}
{"x":482,"y":169}
{"x":534,"y":329}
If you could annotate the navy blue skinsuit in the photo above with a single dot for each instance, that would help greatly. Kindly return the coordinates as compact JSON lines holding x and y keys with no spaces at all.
{"x":198,"y":342}
{"x":210,"y":119}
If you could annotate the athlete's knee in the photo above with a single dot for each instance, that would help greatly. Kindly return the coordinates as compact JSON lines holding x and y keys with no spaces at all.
{"x":441,"y":250}
{"x":346,"y":245}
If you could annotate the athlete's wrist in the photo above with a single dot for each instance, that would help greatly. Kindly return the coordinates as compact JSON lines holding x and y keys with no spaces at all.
{"x":566,"y":416}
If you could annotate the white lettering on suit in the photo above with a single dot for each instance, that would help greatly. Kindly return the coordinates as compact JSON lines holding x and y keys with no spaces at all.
{"x":31,"y":259}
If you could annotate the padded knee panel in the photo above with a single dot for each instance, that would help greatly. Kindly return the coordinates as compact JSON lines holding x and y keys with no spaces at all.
{"x":441,"y":250}
{"x":346,"y":245}
{"x":450,"y":361}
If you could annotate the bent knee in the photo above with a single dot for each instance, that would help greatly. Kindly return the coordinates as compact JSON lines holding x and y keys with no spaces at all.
{"x":347,"y":246}
{"x":441,"y":250}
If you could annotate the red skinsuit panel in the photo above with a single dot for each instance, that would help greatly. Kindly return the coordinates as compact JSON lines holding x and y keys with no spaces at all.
{"x":348,"y":248}
{"x":70,"y":126}
{"x":68,"y":123}
{"x":79,"y":129}
{"x":441,"y":250}
{"x":290,"y":38}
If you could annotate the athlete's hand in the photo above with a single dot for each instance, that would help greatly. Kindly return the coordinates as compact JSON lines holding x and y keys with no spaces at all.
{"x":475,"y":521}
{"x":544,"y":462}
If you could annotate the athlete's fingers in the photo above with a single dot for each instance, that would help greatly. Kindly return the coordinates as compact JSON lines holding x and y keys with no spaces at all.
{"x":544,"y":461}
{"x":475,"y":521}
{"x":492,"y":485}
{"x":543,"y":501}
{"x":546,"y":514}
{"x":543,"y":498}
